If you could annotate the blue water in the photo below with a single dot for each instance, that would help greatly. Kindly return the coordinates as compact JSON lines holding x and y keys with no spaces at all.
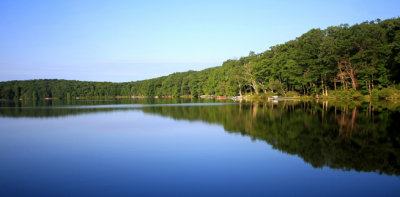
{"x":135,"y":153}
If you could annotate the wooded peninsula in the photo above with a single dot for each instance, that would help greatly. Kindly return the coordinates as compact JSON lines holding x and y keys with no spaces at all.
{"x":349,"y":62}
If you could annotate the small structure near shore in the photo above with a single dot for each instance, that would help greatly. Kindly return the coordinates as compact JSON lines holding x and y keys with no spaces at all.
{"x":222,"y":97}
{"x":236,"y":98}
{"x":207,"y":96}
{"x":276,"y":98}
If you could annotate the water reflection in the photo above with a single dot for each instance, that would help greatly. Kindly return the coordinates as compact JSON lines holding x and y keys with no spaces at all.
{"x":348,"y":136}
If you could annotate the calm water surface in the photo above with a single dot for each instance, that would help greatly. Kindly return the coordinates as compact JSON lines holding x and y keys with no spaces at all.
{"x":183,"y":148}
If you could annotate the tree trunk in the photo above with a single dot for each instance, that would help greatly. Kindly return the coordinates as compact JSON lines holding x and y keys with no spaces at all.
{"x":372,"y":84}
{"x":240,"y":89}
{"x":264,"y":89}
{"x":322,"y":85}
{"x":334,"y":80}
{"x":353,"y":79}
{"x":369,"y":88}
{"x":254,"y":84}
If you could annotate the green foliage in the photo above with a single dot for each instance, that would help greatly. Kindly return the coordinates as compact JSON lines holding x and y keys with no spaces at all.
{"x":259,"y":97}
{"x":375,"y":94}
{"x":292,"y":94}
{"x":363,"y":57}
{"x":357,"y":95}
{"x":346,"y":94}
{"x":387,"y":93}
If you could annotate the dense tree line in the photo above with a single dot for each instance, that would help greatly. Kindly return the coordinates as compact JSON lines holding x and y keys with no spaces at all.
{"x":363,"y":57}
{"x":53,"y":88}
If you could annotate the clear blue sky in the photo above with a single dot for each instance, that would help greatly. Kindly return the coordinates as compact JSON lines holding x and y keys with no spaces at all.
{"x":134,"y":40}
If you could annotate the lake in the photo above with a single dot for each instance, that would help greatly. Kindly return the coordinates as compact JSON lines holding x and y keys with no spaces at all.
{"x":170,"y":147}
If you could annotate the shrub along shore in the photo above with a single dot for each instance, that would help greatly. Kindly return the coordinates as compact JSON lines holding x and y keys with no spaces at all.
{"x":383,"y":94}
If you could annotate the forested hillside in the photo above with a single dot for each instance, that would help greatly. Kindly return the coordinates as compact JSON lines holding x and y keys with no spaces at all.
{"x":363,"y":57}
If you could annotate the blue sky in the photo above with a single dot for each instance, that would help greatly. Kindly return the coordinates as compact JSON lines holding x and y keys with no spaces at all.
{"x":134,"y":40}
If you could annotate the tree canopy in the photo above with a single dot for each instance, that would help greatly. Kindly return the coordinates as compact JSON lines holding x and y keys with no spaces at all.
{"x":361,"y":57}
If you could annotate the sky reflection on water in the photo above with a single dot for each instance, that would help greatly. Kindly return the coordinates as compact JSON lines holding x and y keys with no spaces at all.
{"x":146,"y":152}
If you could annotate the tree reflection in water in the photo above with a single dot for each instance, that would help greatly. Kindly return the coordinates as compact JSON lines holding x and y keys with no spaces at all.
{"x":338,"y":135}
